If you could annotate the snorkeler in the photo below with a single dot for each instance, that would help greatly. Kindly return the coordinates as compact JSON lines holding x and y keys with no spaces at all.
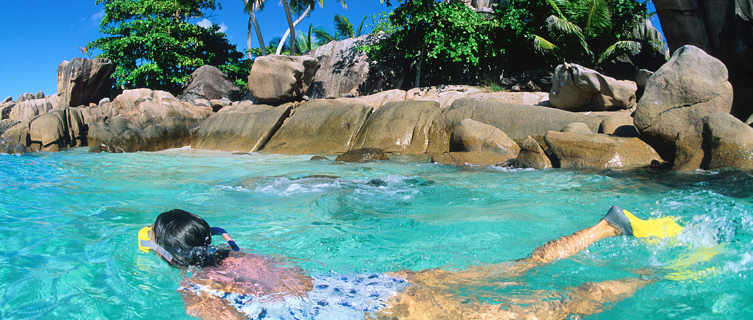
{"x":229,"y":284}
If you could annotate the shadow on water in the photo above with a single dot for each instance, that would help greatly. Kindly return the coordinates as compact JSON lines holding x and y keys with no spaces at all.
{"x":732,"y":183}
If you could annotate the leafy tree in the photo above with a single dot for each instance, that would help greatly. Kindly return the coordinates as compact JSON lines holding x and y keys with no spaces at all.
{"x":439,"y":42}
{"x":153,"y":44}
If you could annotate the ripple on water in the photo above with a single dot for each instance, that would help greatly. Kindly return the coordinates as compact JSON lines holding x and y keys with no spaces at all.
{"x":68,"y":222}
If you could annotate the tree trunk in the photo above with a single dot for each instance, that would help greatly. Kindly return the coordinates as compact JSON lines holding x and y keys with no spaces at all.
{"x":288,"y":32}
{"x":252,"y":23}
{"x":418,"y":71}
{"x":291,"y":28}
{"x":262,"y":44}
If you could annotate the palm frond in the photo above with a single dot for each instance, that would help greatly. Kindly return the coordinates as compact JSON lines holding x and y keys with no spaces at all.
{"x":323,"y":36}
{"x":556,"y":24}
{"x":343,"y":26}
{"x":625,"y":45}
{"x":253,"y":5}
{"x":542,"y":45}
{"x":598,"y":17}
{"x":360,"y":30}
{"x":555,"y":7}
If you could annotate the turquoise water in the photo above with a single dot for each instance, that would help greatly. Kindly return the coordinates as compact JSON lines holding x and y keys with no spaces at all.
{"x":68,"y":224}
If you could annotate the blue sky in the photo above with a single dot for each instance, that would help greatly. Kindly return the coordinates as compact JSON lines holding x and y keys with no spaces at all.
{"x":39,"y":34}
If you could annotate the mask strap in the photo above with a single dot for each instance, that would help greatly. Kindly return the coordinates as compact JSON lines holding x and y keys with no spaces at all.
{"x":217,"y":231}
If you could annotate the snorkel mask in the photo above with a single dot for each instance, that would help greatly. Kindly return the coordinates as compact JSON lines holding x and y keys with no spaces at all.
{"x":146,"y":243}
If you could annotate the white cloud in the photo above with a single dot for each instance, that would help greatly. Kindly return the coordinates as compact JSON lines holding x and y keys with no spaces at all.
{"x":206,"y":24}
{"x":97,"y":16}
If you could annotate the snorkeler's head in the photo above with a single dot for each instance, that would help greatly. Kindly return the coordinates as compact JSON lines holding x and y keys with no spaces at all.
{"x":188,"y":238}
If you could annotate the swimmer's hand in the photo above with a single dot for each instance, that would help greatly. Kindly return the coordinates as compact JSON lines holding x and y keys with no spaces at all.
{"x":233,"y":246}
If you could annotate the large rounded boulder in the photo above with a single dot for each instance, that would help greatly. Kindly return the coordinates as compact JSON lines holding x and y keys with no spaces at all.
{"x":83,"y":81}
{"x":517,"y":121}
{"x":144,"y":120}
{"x":728,"y":142}
{"x":242,"y":127}
{"x":320,"y":127}
{"x":208,"y":82}
{"x":407,"y":127}
{"x":577,"y":88}
{"x":691,"y":86}
{"x":277,"y":79}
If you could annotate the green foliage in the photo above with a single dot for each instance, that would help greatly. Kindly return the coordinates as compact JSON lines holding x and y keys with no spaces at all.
{"x":442,"y":42}
{"x":584,"y":31}
{"x":153,"y":44}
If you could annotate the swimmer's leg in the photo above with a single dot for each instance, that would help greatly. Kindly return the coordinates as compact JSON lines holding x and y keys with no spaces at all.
{"x":587,"y":299}
{"x":422,"y":302}
{"x":616,"y":222}
{"x":552,"y":251}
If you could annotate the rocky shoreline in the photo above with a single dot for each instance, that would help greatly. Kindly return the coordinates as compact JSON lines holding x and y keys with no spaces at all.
{"x":588,"y":121}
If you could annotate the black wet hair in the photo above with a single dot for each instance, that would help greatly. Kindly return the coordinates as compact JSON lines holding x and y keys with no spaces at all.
{"x":188,"y":238}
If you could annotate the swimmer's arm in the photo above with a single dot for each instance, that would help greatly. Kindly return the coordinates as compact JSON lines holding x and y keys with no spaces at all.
{"x":208,"y":307}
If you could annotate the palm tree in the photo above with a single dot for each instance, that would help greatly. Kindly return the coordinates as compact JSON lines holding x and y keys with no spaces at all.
{"x":251,"y":6}
{"x":298,"y":6}
{"x":322,"y":36}
{"x":344,"y":29}
{"x":576,"y":23}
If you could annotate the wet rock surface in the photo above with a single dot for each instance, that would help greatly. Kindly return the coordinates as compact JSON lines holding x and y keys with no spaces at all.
{"x":363,"y":155}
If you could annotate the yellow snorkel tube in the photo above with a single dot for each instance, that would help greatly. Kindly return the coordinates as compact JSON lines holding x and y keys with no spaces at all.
{"x":146,"y":243}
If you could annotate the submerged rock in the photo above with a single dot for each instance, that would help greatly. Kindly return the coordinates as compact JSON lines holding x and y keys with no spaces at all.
{"x":363,"y":155}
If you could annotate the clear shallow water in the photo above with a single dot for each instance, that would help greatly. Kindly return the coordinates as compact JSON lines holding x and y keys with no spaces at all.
{"x":68,"y":224}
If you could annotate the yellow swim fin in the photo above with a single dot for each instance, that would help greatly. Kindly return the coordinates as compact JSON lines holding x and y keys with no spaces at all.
{"x":664,"y":227}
